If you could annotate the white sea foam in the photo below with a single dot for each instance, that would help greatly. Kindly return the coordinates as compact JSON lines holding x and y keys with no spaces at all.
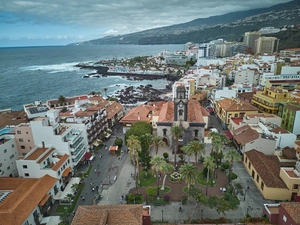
{"x":55,"y":68}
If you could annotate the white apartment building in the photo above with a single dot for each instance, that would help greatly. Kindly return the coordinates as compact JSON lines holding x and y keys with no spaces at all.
{"x":8,"y":154}
{"x":65,"y":138}
{"x":264,"y":77}
{"x":225,"y":92}
{"x":246,"y":76}
{"x":37,"y":109}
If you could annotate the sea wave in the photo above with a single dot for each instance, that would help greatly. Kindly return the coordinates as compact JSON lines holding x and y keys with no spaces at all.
{"x":53,"y":68}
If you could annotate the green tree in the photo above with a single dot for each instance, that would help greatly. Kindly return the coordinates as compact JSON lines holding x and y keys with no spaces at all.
{"x":223,"y":203}
{"x":151,"y":191}
{"x":157,"y":164}
{"x":210,"y":165}
{"x":212,"y":136}
{"x":134,"y":147}
{"x":138,"y":129}
{"x":233,"y":156}
{"x":187,"y":151}
{"x":61,"y":100}
{"x":189,"y":172}
{"x":195,"y":147}
{"x":176,"y":132}
{"x":157,"y":141}
{"x":118,"y":142}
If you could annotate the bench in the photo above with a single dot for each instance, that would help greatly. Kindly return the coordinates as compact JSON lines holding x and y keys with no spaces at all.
{"x":115,"y":178}
{"x":157,"y":204}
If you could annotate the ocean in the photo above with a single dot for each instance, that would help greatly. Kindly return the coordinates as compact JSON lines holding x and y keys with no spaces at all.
{"x":28,"y":74}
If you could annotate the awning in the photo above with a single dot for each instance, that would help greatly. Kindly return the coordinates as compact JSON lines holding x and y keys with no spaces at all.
{"x":87,"y":155}
{"x":210,"y":110}
{"x":228,"y":134}
{"x":95,"y":143}
{"x":66,"y":172}
{"x":44,"y":200}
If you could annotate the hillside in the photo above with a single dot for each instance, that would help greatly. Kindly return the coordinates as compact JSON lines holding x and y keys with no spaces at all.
{"x":231,"y":26}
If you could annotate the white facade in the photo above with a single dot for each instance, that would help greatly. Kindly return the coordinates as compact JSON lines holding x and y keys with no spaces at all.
{"x":65,"y":138}
{"x":246,"y":76}
{"x":296,"y":128}
{"x":225,"y":92}
{"x":8,"y":156}
{"x":186,"y":82}
{"x":264,"y":77}
{"x":288,"y":70}
{"x":261,"y":144}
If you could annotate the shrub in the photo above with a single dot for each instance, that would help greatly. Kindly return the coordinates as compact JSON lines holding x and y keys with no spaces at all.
{"x":225,"y":165}
{"x":181,"y":156}
{"x":233,"y":176}
{"x":165,"y":155}
{"x":151,"y":191}
{"x":131,"y":197}
{"x":238,"y":186}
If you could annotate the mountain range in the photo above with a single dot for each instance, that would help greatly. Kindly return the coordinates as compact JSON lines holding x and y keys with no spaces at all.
{"x":230,"y":27}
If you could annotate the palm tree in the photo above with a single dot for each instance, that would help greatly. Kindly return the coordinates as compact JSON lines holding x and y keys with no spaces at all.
{"x":105,"y":90}
{"x":223,"y":139}
{"x":61,"y":100}
{"x":196,"y":147}
{"x":233,"y":156}
{"x":189,"y":172}
{"x":157,"y":141}
{"x":212,"y":135}
{"x":167,"y":169}
{"x":176,"y":132}
{"x":187,"y":151}
{"x":210,"y":165}
{"x":158,"y":164}
{"x":134,"y":147}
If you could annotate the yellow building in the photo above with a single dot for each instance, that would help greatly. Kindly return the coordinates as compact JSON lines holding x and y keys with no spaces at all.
{"x":270,"y":99}
{"x":230,"y":107}
{"x":274,"y":182}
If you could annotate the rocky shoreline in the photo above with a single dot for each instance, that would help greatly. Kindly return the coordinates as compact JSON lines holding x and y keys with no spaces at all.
{"x":134,"y":95}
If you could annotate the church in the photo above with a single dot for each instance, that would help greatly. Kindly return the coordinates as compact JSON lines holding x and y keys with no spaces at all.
{"x":184,"y":112}
{"x":188,"y":114}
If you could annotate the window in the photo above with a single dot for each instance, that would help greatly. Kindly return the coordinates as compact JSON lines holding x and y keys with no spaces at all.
{"x":24,"y":153}
{"x":246,"y":159}
{"x":58,"y":173}
{"x":12,"y":156}
{"x":8,"y":168}
{"x":28,"y":140}
{"x":165,"y":131}
{"x":0,"y":164}
{"x":21,"y":140}
{"x":24,"y":166}
{"x":249,"y":165}
{"x":257,"y":178}
{"x":26,"y":174}
{"x":196,"y":133}
{"x":262,"y":186}
{"x":5,"y":150}
{"x":12,"y":145}
{"x":296,"y":186}
{"x":22,"y":146}
{"x":19,"y":132}
{"x":26,"y":223}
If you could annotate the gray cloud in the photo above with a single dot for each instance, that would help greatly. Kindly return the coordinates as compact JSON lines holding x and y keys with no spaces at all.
{"x":122,"y":16}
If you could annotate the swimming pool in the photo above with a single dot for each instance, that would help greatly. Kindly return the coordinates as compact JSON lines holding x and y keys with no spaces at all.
{"x":5,"y":130}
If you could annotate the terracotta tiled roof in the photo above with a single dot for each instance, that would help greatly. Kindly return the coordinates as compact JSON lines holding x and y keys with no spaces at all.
{"x":81,"y":113}
{"x":196,"y":112}
{"x":292,"y":107}
{"x":26,"y":195}
{"x":236,"y":120}
{"x":13,"y":118}
{"x":61,"y":161}
{"x":229,"y":104}
{"x":289,"y":153}
{"x":267,"y":167}
{"x":113,"y":109}
{"x":139,"y":113}
{"x":293,"y":209}
{"x":245,"y":134}
{"x":166,"y":114}
{"x":66,"y":172}
{"x":279,"y":130}
{"x":108,"y":215}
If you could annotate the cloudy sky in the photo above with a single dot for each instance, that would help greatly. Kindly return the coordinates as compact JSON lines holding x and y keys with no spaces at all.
{"x":60,"y":22}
